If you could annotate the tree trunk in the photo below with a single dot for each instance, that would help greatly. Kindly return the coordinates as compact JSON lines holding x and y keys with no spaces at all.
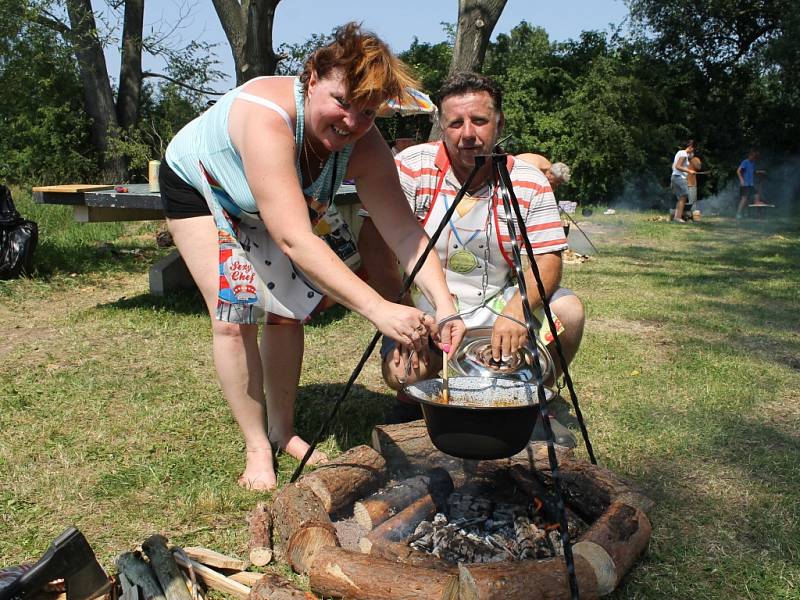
{"x":476,"y":21}
{"x":130,"y":70}
{"x":339,"y":573}
{"x":248,"y":27}
{"x":98,"y":97}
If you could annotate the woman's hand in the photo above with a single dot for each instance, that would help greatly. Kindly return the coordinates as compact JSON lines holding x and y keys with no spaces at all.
{"x":405,"y":324}
{"x":449,"y":331}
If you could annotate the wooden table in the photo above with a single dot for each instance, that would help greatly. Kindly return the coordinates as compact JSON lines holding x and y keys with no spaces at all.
{"x":101,"y":204}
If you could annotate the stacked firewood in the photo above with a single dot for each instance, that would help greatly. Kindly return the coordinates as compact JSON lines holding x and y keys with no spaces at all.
{"x":160,"y":571}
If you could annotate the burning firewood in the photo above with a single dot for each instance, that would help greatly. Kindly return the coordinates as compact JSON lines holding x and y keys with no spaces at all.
{"x":380,"y":506}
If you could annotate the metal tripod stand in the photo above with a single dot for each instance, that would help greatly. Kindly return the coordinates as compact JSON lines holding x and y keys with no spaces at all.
{"x":518,"y":231}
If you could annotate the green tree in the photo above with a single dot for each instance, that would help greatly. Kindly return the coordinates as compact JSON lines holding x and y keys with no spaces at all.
{"x":45,"y":132}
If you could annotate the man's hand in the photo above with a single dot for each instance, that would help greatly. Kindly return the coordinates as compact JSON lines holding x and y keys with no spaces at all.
{"x":507,"y":337}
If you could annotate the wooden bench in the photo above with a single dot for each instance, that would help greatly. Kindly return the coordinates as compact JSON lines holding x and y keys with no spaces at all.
{"x":102,"y":204}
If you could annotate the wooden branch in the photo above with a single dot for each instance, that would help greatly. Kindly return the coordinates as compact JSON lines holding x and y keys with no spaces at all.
{"x":614,"y":543}
{"x":302,"y":525}
{"x":525,"y":580}
{"x":274,"y":587}
{"x":139,"y":573}
{"x":51,"y":23}
{"x":259,"y":546}
{"x":165,"y":568}
{"x":212,"y":558}
{"x":375,"y":509}
{"x":357,"y":473}
{"x":214,"y":579}
{"x":182,"y":84}
{"x":340,"y":573}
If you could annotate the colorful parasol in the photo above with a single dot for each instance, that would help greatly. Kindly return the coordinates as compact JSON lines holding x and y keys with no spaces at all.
{"x":413,"y":102}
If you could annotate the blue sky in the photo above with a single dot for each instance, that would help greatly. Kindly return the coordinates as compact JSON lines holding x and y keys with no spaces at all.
{"x":396,"y":21}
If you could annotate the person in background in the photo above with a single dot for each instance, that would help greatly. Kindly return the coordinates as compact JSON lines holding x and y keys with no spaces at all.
{"x":475,"y":247}
{"x":678,"y":181}
{"x":247,"y":189}
{"x":747,"y":172}
{"x":556,"y":173}
{"x":695,"y":166}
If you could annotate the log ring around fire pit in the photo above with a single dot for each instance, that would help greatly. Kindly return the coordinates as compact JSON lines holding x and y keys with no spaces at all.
{"x":619,"y":532}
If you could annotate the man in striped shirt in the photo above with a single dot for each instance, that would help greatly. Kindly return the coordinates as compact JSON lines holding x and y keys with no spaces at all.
{"x":475,"y":247}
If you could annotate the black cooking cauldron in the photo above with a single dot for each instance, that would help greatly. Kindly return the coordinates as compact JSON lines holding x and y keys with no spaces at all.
{"x":486,"y":418}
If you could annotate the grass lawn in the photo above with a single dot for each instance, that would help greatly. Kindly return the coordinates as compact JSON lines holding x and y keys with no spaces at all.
{"x":689,"y":379}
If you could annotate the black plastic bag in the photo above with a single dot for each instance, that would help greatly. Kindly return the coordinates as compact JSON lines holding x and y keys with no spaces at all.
{"x":18,"y":239}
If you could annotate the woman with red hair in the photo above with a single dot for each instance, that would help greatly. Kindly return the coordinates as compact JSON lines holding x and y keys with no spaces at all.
{"x":247,"y":189}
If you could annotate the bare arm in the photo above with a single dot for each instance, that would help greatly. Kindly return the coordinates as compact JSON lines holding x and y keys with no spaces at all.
{"x":508,"y":335}
{"x":267,"y":149}
{"x":379,"y":189}
{"x":682,"y":164}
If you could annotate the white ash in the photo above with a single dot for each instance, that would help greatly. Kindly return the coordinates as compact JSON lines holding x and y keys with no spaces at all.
{"x":481,"y":531}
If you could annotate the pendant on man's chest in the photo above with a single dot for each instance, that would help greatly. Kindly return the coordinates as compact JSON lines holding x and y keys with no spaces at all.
{"x":462,"y":261}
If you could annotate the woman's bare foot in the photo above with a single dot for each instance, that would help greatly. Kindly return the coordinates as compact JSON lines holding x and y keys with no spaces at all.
{"x":259,"y":473}
{"x":297,"y":447}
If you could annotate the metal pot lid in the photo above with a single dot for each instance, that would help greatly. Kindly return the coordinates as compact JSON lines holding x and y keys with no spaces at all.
{"x":474,"y":358}
{"x":481,"y":393}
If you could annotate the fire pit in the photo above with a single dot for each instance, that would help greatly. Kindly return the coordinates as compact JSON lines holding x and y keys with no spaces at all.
{"x":402,"y":520}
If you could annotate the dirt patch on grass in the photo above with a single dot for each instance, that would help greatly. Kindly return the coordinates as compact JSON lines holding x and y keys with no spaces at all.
{"x":17,"y":336}
{"x":660,"y":343}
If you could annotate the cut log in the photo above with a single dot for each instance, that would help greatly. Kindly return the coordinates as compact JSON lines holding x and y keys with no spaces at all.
{"x":408,"y":450}
{"x":588,"y":489}
{"x":302,"y":525}
{"x":375,"y":509}
{"x":357,"y":473}
{"x":213,"y":579}
{"x":614,"y":543}
{"x":165,"y":568}
{"x":212,"y":558}
{"x":259,"y":546}
{"x":339,"y":573}
{"x":139,"y":573}
{"x":274,"y":587}
{"x":525,"y":580}
{"x":402,"y":525}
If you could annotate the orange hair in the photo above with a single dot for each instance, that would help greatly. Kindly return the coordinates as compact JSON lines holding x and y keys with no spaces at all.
{"x":371,"y":72}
